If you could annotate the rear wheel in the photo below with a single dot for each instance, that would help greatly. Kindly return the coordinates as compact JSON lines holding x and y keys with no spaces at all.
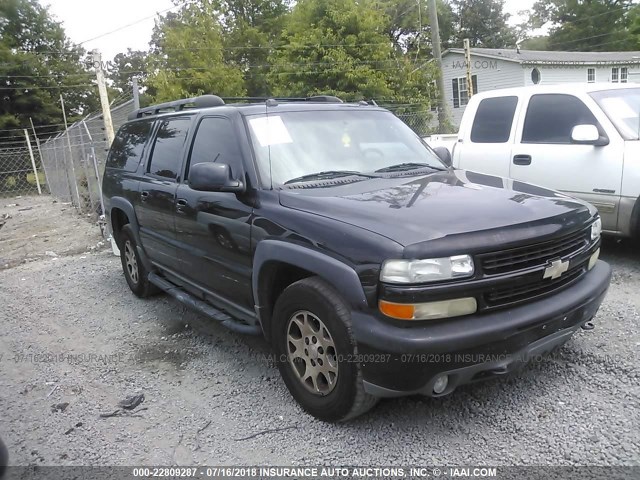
{"x":134,"y":272}
{"x":317,"y":354}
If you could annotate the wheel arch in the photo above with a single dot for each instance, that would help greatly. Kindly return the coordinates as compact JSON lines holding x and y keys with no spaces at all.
{"x":634,"y":227}
{"x":277,"y":264}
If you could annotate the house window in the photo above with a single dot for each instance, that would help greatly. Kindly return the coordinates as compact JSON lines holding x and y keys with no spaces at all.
{"x":614,"y":74}
{"x":535,"y":76}
{"x":591,"y":75}
{"x":624,"y":72}
{"x":460,"y":93}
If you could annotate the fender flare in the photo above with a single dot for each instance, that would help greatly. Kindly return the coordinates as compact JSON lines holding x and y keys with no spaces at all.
{"x":126,"y":206}
{"x":339,"y":274}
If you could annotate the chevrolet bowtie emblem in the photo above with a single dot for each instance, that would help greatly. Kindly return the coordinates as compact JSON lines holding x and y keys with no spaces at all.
{"x":555,"y":269}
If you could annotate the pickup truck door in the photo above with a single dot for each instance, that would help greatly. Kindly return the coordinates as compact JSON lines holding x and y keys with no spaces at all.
{"x":214,"y":228}
{"x":155,"y":206}
{"x":545,"y":155}
{"x":486,"y":137}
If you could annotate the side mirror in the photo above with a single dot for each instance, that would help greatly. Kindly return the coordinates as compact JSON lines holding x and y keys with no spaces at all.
{"x":213,"y":177}
{"x":443,"y":154}
{"x":588,"y":135}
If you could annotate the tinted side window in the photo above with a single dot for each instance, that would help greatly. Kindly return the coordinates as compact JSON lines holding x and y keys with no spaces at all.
{"x":550,"y":118}
{"x":493,"y":120}
{"x":216,"y":141}
{"x":128,"y":146}
{"x":166,"y":157}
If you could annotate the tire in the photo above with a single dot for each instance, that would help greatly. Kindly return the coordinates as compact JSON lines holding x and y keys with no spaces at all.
{"x":134,"y":272}
{"x":312,"y":334}
{"x":4,"y":458}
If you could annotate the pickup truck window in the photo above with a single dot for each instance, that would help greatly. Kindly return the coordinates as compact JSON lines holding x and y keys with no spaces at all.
{"x":551,"y":117}
{"x":492,"y":123}
{"x":622,"y":107}
{"x":166,"y":156}
{"x":289,"y":145}
{"x":215,"y":141}
{"x":128,"y":146}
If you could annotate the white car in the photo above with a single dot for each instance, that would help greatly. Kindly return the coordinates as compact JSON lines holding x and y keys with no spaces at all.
{"x":581,"y":139}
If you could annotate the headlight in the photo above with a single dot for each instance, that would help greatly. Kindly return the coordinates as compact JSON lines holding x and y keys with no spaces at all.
{"x":427,"y":270}
{"x":596,"y":229}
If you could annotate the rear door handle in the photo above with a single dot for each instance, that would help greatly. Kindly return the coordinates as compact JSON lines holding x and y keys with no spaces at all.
{"x":522,"y":159}
{"x":144,"y":195}
{"x":180,"y":204}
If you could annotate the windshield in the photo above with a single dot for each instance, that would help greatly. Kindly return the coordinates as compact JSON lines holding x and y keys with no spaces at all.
{"x":623,"y":109}
{"x":328,"y":142}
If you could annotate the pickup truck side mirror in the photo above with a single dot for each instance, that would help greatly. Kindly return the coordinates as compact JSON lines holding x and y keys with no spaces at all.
{"x":213,"y":177}
{"x":443,"y":154}
{"x":588,"y":135}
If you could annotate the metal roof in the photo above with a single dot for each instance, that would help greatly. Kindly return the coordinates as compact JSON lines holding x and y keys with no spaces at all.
{"x":540,"y":57}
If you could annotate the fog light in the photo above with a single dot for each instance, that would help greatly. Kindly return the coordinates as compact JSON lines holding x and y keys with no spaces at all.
{"x":441,"y":384}
{"x":593,"y":259}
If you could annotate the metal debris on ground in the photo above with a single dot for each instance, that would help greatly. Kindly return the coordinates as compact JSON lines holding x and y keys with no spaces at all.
{"x":59,"y":407}
{"x":131,"y":402}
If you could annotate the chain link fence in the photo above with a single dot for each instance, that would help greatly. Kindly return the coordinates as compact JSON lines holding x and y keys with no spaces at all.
{"x":74,"y":160}
{"x":19,"y":175}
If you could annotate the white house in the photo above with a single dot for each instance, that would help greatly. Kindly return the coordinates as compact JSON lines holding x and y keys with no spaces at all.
{"x":492,"y":69}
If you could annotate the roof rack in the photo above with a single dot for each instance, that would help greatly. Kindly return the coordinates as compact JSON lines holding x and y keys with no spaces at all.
{"x":203,"y":101}
{"x":315,"y":98}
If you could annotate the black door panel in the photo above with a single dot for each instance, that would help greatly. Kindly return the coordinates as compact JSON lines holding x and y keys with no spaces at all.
{"x":155,"y":207}
{"x":214,"y":240}
{"x":214,"y":228}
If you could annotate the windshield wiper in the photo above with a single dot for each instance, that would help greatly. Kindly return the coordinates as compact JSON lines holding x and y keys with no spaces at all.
{"x":400,"y":167}
{"x":327,"y":175}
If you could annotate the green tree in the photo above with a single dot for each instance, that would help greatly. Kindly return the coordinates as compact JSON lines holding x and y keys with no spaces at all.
{"x":251,"y":27}
{"x":408,"y":25}
{"x":484,"y":23}
{"x":37,"y":64}
{"x":343,"y":48}
{"x":187,"y":55}
{"x":125,"y":66}
{"x":585,"y":25}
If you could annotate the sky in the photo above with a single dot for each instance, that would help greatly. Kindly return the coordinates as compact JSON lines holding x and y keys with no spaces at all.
{"x":84,"y":20}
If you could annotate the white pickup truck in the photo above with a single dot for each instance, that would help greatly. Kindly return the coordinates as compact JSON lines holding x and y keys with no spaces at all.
{"x":581,"y":139}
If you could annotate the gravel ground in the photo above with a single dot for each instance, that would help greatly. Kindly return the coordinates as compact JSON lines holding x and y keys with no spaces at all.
{"x":71,"y":332}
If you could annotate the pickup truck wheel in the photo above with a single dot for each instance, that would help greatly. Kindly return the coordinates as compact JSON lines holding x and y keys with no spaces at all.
{"x":316,"y":351}
{"x":134,"y":271}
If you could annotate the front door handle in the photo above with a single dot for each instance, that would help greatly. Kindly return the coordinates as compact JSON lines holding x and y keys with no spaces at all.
{"x":522,"y":159}
{"x":180,"y":204}
{"x":144,"y":195}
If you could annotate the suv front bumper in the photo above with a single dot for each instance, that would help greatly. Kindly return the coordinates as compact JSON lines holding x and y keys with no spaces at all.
{"x":402,"y":359}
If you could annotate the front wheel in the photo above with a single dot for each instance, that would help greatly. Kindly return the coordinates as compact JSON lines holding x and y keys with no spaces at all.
{"x":316,"y":351}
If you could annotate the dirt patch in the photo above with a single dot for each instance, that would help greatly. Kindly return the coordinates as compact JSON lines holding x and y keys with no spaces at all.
{"x":35,"y":227}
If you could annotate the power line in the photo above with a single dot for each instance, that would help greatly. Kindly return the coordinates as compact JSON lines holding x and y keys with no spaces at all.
{"x":46,"y":88}
{"x":248,"y":47}
{"x":133,"y":23}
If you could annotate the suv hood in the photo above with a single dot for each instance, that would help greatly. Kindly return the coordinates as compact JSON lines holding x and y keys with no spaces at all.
{"x":422,"y":208}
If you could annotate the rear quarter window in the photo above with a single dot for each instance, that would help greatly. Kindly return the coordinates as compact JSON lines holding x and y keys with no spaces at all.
{"x":128,"y":146}
{"x":492,"y":123}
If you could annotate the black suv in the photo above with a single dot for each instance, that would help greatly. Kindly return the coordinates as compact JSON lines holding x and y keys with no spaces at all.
{"x":371,"y":266}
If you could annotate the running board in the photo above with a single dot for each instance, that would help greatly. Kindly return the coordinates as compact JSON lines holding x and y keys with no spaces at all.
{"x":202,"y":307}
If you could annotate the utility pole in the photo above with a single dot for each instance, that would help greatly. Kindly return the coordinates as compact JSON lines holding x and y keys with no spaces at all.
{"x":437,"y":55}
{"x":136,"y":93}
{"x":104,"y":97}
{"x":467,"y":61}
{"x":33,"y":161}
